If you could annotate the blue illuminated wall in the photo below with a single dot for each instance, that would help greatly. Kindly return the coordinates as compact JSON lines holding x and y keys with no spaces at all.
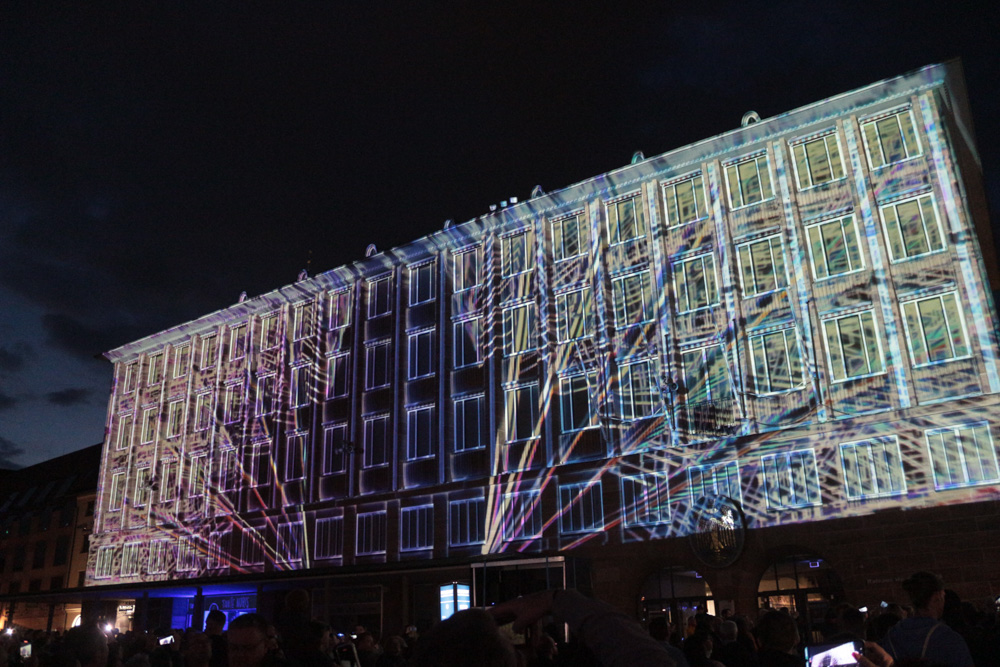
{"x":794,"y":315}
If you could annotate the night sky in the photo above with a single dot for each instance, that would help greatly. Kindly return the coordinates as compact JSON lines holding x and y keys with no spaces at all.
{"x":158,"y":159}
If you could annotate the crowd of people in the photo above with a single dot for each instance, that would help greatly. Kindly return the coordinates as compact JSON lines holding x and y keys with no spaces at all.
{"x":936,"y":628}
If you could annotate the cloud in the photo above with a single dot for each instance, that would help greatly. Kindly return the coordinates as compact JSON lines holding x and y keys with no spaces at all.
{"x":83,"y":340}
{"x":12,"y":360}
{"x":8,"y":451}
{"x":67,"y":397}
{"x":7,"y":402}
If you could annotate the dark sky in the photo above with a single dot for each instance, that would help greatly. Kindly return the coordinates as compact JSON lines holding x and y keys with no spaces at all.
{"x":159,"y":158}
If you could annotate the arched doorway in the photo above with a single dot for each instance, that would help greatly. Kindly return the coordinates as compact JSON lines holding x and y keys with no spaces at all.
{"x":676,"y":593}
{"x":804,"y":585}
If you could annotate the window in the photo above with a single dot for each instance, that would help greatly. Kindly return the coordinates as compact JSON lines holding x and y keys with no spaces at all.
{"x":469,"y":431}
{"x":790,"y":479}
{"x":340,"y":308}
{"x":175,"y":418}
{"x":644,"y":499}
{"x":581,"y":508}
{"x":420,"y":433}
{"x":141,"y":495}
{"x":218,"y":547}
{"x":695,"y":283}
{"x":421,"y":354}
{"x":159,"y":555}
{"x":632,"y":300}
{"x":203,"y":411}
{"x":379,"y":296}
{"x":188,"y":558}
{"x":105,"y":562}
{"x":422,"y":283}
{"x":466,"y":347}
{"x":338,"y":369}
{"x":155,"y":375}
{"x":39,"y":560}
{"x":833,"y":247}
{"x":684,"y":201}
{"x":578,"y":401}
{"x":912,"y":228}
{"x":61,"y":554}
{"x":962,"y":456}
{"x":260,"y":463}
{"x":890,"y":139}
{"x":234,"y":403}
{"x":872,"y":468}
{"x":265,"y":394}
{"x":334,"y":446}
{"x":329,"y":537}
{"x":290,"y":541}
{"x":705,"y":375}
{"x":776,"y":362}
{"x":131,"y":376}
{"x":269,"y":331}
{"x":130,"y":559}
{"x":517,"y":254}
{"x":168,"y":481}
{"x":521,"y":412}
{"x":295,"y":456}
{"x":625,"y":221}
{"x":935,"y":329}
{"x":574,"y":315}
{"x":376,"y":441}
{"x":762,"y":266}
{"x":638,"y":390}
{"x":209,"y":350}
{"x":523,"y":515}
{"x":715,"y":479}
{"x":852,"y":346}
{"x":226,"y":472}
{"x":182,"y":360}
{"x":371,"y":533}
{"x":467,"y":522}
{"x":18,"y":560}
{"x":817,"y":161}
{"x":749,"y":181}
{"x":124,"y":432}
{"x":416,"y":528}
{"x":520,"y":329}
{"x":238,"y":342}
{"x":466,"y":269}
{"x":148,"y":425}
{"x":251,"y":547}
{"x":569,"y":237}
{"x":299,"y":392}
{"x":117,"y":492}
{"x":196,"y":475}
{"x":302,"y":320}
{"x":377,"y":365}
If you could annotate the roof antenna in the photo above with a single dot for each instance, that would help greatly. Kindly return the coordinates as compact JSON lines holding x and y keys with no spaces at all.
{"x":749,"y":118}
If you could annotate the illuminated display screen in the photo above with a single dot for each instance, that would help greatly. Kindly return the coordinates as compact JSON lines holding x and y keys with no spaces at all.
{"x":786,"y":325}
{"x":454,"y":597}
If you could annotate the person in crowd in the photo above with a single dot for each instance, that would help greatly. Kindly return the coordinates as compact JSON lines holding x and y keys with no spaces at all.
{"x":393,"y":653}
{"x":778,"y":637}
{"x":659,"y":629}
{"x":88,"y":644}
{"x":197,"y":650}
{"x":215,"y":623}
{"x":731,"y":652}
{"x":315,"y":651}
{"x":924,"y":636}
{"x":698,"y":649}
{"x":367,"y":649}
{"x":251,"y":642}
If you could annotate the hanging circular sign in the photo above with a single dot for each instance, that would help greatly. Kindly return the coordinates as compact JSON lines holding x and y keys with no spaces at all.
{"x":719,"y":531}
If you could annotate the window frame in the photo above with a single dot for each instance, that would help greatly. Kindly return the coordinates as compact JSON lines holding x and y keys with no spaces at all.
{"x":339,"y":308}
{"x":150,"y":425}
{"x":338,"y":384}
{"x":523,"y":518}
{"x":238,"y":341}
{"x":420,"y":347}
{"x":460,"y":270}
{"x":375,"y":296}
{"x":182,"y":360}
{"x":512,"y":399}
{"x":418,"y":447}
{"x":926,"y":229}
{"x":418,"y":274}
{"x":154,"y":371}
{"x":512,"y":339}
{"x":754,"y":367}
{"x":623,"y":305}
{"x":296,"y":444}
{"x":870,"y":445}
{"x":873,"y":121}
{"x":827,"y":252}
{"x":735,"y":165}
{"x":303,"y":320}
{"x":508,"y":267}
{"x":377,"y":523}
{"x":265,"y":401}
{"x":802,"y":144}
{"x":462,"y":430}
{"x":329,"y":532}
{"x":371,"y":363}
{"x":557,"y":230}
{"x":705,"y":365}
{"x":639,"y":511}
{"x":203,"y":409}
{"x":963,"y":455}
{"x":780,"y":278}
{"x":954,"y":344}
{"x":778,"y":473}
{"x":126,"y":421}
{"x":168,"y":481}
{"x":209,"y":353}
{"x":710,"y":280}
{"x":270,"y":325}
{"x":573,"y":496}
{"x":564,"y":315}
{"x":457,"y":349}
{"x":369,"y":459}
{"x":176,"y":411}
{"x":234,"y":404}
{"x":334,"y":462}
{"x":715,"y":473}
{"x":416,"y":528}
{"x":671,"y":200}
{"x":300,"y":386}
{"x":840,"y":375}
{"x":627,"y":390}
{"x":612,"y":213}
{"x":464,"y":530}
{"x":567,"y":405}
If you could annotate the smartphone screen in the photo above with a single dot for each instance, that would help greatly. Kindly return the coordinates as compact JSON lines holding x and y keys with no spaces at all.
{"x":828,"y":655}
{"x":169,"y":639}
{"x":26,"y":651}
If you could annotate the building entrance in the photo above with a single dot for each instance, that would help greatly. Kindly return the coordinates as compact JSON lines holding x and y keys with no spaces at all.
{"x":677,"y":594}
{"x":804,"y":585}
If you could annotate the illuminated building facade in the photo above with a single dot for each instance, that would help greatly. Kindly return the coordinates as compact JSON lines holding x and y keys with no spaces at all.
{"x":792,"y":320}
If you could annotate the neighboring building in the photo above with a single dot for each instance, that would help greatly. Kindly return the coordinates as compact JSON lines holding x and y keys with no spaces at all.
{"x":786,"y":324}
{"x":42,"y":529}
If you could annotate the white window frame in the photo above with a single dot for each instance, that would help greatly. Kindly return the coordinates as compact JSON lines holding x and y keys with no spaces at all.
{"x":461,"y":427}
{"x":209,"y":351}
{"x":338,"y":384}
{"x":509,"y":245}
{"x":296,"y":443}
{"x":198,"y":474}
{"x":372,"y":533}
{"x":748,"y":262}
{"x":973,"y":461}
{"x":203,"y":411}
{"x":514,"y":317}
{"x":512,"y":399}
{"x":461,"y":270}
{"x":839,"y":371}
{"x":613,"y":211}
{"x":182,"y":359}
{"x":621,"y":287}
{"x":870,"y":126}
{"x":765,"y":386}
{"x":420,"y":433}
{"x":847,"y":227}
{"x":371,"y":423}
{"x":459,"y":334}
{"x":104,"y":562}
{"x":159,"y":556}
{"x":558,"y":228}
{"x":303,"y":320}
{"x":889,"y":214}
{"x":334,"y":461}
{"x":154,"y":373}
{"x":375,"y":296}
{"x":300,"y":386}
{"x":267,"y":386}
{"x":693,"y":374}
{"x":645,"y":499}
{"x":581,"y":508}
{"x":522,"y":515}
{"x":141,"y":495}
{"x":291,"y":541}
{"x":187,"y":555}
{"x":422,"y":282}
{"x":420,"y":354}
{"x":131,"y":565}
{"x":569,"y":386}
{"x":131,"y":377}
{"x":339,"y":307}
{"x":238,"y":341}
{"x":372,"y":349}
{"x":631,"y":394}
{"x":671,"y":200}
{"x":329,"y":534}
{"x":150,"y":421}
{"x":805,"y":178}
{"x":466,"y":522}
{"x":260,"y":463}
{"x":737,"y":197}
{"x":791,"y":480}
{"x":416,"y":528}
{"x":959,"y":349}
{"x":270,"y":325}
{"x":168,"y":481}
{"x":874,"y":455}
{"x":175,"y":417}
{"x":124,"y":439}
{"x":117,"y":499}
{"x":251,"y":546}
{"x":574,"y":315}
{"x":234,"y":403}
{"x":716,"y":479}
{"x":683,"y":281}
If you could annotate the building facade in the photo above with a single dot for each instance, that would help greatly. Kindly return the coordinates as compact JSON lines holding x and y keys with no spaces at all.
{"x":690,"y":372}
